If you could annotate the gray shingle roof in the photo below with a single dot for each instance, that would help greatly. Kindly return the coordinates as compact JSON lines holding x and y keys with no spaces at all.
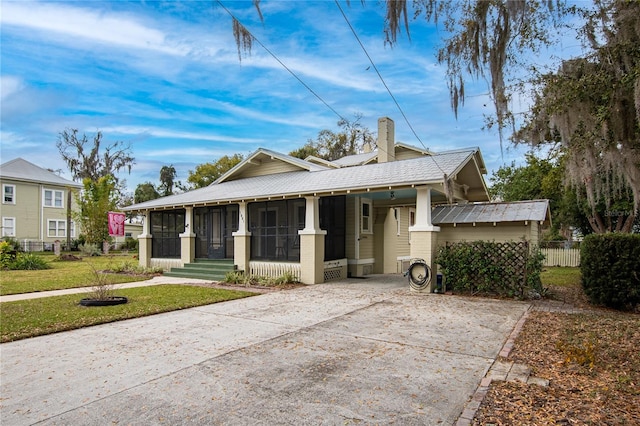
{"x":22,"y":170}
{"x":419,"y":171}
{"x":518,"y":211}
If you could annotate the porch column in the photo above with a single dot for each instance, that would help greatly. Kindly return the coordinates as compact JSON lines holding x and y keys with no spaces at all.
{"x":312,"y":244}
{"x":423,"y":235}
{"x":144,"y":242}
{"x":188,"y":238}
{"x":242,"y":240}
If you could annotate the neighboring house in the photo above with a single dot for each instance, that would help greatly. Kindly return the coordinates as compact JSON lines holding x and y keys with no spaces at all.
{"x":320,"y":220}
{"x":131,"y":230}
{"x":35,"y":204}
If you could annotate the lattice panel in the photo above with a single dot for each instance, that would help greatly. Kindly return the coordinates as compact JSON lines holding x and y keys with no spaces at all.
{"x":332,"y":274}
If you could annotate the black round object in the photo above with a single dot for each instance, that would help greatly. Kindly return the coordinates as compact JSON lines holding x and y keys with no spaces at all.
{"x":115,"y":300}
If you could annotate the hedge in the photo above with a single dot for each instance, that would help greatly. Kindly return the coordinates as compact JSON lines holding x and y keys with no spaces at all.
{"x":505,"y":269}
{"x":610,"y":266}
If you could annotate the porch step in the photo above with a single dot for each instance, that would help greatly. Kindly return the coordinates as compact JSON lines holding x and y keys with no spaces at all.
{"x":204,"y":269}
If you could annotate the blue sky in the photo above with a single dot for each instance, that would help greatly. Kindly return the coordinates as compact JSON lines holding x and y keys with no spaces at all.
{"x":165,"y":78}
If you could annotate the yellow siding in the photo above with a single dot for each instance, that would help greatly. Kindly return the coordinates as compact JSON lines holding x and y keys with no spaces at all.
{"x":407,"y":154}
{"x":266,"y":167}
{"x":487,"y":232}
{"x":31,"y":217}
{"x":403,"y":247}
{"x":26,"y":211}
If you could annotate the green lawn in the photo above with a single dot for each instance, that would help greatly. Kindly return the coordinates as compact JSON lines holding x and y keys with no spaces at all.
{"x":29,"y":318}
{"x":64,"y":274}
{"x":560,"y":276}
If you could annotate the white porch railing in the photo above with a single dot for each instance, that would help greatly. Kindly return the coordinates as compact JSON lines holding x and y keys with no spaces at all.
{"x":561,"y":257}
{"x":165,"y":264}
{"x":273,"y":269}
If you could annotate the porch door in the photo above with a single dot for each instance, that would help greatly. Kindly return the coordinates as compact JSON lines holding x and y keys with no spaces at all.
{"x":210,"y":231}
{"x":268,"y":222}
{"x":216,"y":242}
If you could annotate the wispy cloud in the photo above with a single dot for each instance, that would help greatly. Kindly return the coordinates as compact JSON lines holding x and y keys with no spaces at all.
{"x":171,"y":134}
{"x":90,"y":24}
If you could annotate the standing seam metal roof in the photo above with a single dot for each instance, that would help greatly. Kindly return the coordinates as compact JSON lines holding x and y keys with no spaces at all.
{"x":518,"y":211}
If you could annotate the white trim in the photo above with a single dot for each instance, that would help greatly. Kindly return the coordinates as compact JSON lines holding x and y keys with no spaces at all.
{"x":369,"y":261}
{"x":53,"y":198}
{"x":335,"y":263}
{"x":57,"y":228}
{"x":13,"y":198}
{"x":13,"y":226}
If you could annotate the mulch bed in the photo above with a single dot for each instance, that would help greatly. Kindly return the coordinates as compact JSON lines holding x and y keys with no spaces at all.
{"x":592,"y":362}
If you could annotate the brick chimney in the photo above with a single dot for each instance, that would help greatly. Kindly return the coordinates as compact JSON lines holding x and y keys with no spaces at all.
{"x":386,"y":140}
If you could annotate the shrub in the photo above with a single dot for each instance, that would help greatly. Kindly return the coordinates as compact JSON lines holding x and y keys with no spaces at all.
{"x":13,"y":243}
{"x":89,"y":249}
{"x":7,"y":254}
{"x":610,"y":267}
{"x":130,"y":244}
{"x":234,"y":277}
{"x":29,"y":261}
{"x":505,"y":269}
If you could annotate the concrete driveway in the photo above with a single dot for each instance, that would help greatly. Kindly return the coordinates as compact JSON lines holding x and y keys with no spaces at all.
{"x":351,"y":352}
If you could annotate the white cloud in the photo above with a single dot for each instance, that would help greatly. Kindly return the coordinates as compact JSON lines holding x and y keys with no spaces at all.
{"x":163,"y":133}
{"x":104,"y":27}
{"x":9,"y":85}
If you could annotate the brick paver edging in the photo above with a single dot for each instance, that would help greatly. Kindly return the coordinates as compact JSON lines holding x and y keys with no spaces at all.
{"x":470,"y":409}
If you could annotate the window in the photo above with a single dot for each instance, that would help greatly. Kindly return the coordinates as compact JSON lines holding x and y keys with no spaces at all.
{"x":166,"y":227}
{"x":8,"y":226}
{"x":274,"y":227}
{"x":412,"y":220}
{"x":365,"y":217}
{"x":8,"y":194}
{"x":58,"y":228}
{"x":53,"y":198}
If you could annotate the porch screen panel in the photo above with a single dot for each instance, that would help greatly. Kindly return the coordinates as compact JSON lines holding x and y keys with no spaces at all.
{"x":274,"y":229}
{"x":333,"y":213}
{"x":166,"y":227}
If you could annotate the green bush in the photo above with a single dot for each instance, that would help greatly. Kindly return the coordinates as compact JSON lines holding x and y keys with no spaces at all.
{"x":130,"y":244}
{"x":7,"y":254}
{"x":505,"y":269}
{"x":15,"y":244}
{"x":610,"y":267}
{"x":89,"y":250}
{"x":234,"y":277}
{"x":29,"y":261}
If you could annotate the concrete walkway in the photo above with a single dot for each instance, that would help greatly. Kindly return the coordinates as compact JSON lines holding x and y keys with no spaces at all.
{"x":351,"y":352}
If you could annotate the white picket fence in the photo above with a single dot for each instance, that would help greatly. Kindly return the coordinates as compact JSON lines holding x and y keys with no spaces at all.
{"x":561,"y":257}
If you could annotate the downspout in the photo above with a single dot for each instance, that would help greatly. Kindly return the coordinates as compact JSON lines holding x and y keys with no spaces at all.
{"x":41,"y":201}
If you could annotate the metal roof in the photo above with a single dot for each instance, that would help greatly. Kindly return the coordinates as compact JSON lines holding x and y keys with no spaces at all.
{"x":418,"y":171}
{"x":518,"y":211}
{"x":22,"y":170}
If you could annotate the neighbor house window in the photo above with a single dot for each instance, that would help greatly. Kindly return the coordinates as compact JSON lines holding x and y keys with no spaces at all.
{"x":365,"y":217}
{"x":8,"y":194}
{"x":58,"y":228}
{"x":8,"y":226}
{"x":53,"y":198}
